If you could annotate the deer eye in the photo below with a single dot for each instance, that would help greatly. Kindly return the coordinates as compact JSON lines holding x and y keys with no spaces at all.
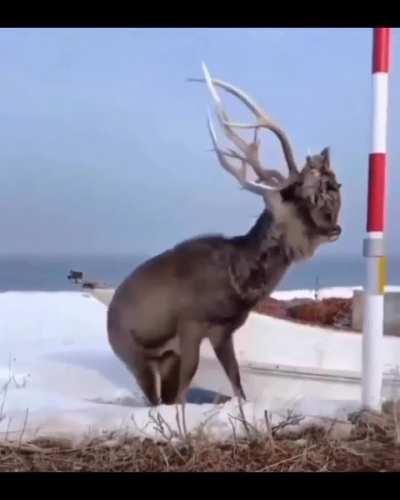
{"x":333,"y":186}
{"x":327,"y":214}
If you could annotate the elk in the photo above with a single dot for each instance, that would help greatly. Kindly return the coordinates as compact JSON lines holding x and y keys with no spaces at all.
{"x":206,"y":286}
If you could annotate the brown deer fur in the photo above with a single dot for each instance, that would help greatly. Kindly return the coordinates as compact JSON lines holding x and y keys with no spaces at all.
{"x":205,"y":287}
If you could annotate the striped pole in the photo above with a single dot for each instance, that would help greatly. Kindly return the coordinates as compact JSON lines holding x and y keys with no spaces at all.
{"x":372,"y":341}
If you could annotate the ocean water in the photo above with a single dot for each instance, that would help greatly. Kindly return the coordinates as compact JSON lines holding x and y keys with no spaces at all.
{"x":48,"y":273}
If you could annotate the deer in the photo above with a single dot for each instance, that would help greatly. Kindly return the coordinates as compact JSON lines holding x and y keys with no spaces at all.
{"x":206,"y":286}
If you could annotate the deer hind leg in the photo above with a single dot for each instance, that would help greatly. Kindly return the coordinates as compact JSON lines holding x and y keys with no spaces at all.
{"x":222,"y":343}
{"x":143,"y":368}
{"x":147,"y":374}
{"x":169,"y":370}
{"x":190,"y":336}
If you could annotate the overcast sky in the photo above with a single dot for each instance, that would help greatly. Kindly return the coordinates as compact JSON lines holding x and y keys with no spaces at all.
{"x":103,"y":142}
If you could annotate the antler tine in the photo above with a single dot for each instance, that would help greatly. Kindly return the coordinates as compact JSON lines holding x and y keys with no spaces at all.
{"x":240,"y":175}
{"x":269,"y":177}
{"x":263,"y":121}
{"x":221,"y":113}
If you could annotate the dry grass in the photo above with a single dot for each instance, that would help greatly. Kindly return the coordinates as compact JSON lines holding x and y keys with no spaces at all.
{"x":373,"y":446}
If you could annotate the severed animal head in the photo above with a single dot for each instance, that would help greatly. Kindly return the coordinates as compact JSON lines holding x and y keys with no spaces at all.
{"x":313,"y":190}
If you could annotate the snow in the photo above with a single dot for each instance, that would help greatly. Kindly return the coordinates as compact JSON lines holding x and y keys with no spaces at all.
{"x":59,"y":377}
{"x":324,"y":293}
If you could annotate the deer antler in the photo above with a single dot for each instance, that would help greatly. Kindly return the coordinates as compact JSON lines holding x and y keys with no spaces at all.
{"x":250,"y":151}
{"x":239,"y":174}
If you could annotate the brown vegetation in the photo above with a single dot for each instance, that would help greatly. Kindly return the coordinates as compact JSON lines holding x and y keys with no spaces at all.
{"x":331,"y":312}
{"x":374,"y":445}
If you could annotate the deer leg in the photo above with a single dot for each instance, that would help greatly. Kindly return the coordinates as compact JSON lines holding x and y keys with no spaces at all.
{"x":148,"y":377}
{"x":190,"y":353}
{"x":145,"y":370}
{"x":190,"y":339}
{"x":169,"y":369}
{"x":222,"y":343}
{"x":136,"y":359}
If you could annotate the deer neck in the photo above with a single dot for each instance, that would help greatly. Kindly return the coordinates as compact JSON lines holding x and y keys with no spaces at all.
{"x":279,"y":237}
{"x":291,"y":233}
{"x":261,"y":238}
{"x":257,"y":263}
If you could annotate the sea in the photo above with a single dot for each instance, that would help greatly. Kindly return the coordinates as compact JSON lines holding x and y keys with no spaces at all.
{"x":50,"y":273}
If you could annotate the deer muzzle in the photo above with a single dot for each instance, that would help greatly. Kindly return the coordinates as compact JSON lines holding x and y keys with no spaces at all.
{"x":335,"y":233}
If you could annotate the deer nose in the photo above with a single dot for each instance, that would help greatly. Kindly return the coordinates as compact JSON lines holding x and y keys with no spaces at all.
{"x":335,"y":233}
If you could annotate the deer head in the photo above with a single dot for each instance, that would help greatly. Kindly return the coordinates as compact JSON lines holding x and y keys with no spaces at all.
{"x":313,"y":189}
{"x":316,"y":193}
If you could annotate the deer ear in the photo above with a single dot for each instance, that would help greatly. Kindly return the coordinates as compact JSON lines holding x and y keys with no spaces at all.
{"x":325,"y":153}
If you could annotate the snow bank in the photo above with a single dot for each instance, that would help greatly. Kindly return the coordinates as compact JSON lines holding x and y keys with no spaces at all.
{"x":59,"y":377}
{"x":324,"y":293}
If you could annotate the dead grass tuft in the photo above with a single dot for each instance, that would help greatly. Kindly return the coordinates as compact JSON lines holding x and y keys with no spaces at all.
{"x":373,"y":446}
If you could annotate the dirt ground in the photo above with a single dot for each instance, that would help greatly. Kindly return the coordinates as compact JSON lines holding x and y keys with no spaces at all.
{"x":373,"y":446}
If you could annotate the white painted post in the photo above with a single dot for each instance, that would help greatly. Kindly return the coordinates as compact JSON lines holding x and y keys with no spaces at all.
{"x":372,"y":341}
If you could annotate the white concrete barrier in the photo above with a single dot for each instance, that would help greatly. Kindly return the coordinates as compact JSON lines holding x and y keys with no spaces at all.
{"x":284,"y":359}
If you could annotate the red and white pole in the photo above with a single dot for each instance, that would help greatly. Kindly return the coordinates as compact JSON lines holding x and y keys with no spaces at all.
{"x":374,"y":252}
